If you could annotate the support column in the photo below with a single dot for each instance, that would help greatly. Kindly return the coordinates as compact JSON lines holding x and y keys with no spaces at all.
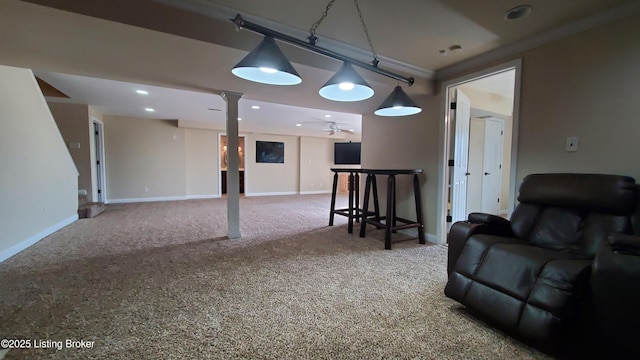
{"x":233,"y":163}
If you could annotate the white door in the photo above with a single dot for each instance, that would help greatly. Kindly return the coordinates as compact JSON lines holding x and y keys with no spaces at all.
{"x":460,"y":157}
{"x":492,"y":166}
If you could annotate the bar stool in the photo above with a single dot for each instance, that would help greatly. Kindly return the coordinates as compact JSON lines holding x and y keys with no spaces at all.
{"x":391,"y":219}
{"x":353,"y":211}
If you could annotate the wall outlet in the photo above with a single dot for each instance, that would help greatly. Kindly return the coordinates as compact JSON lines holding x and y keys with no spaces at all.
{"x":82,"y":192}
{"x":146,"y":189}
{"x":571,"y":144}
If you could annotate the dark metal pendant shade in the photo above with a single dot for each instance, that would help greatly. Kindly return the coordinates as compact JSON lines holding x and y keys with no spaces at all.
{"x":267,"y":64}
{"x":346,"y":85}
{"x":398,"y":103}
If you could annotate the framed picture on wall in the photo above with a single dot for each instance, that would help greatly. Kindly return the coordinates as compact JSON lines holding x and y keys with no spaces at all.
{"x":269,"y":152}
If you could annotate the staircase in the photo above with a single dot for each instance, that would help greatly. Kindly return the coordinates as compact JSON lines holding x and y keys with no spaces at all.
{"x":89,"y":210}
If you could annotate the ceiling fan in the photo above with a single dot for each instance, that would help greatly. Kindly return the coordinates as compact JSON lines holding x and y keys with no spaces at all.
{"x":335,"y":128}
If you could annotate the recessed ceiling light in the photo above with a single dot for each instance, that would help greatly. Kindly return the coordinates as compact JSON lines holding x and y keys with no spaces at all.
{"x":255,"y":107}
{"x":455,"y":48}
{"x":239,"y":119}
{"x":327,"y":116}
{"x":149,"y":109}
{"x":517,"y":12}
{"x":298,"y":125}
{"x":142,"y":92}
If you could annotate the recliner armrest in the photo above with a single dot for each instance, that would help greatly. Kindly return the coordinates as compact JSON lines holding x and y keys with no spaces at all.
{"x":496,"y":223}
{"x":493,"y":224}
{"x":478,"y":223}
{"x":456,"y":238}
{"x":624,"y":244}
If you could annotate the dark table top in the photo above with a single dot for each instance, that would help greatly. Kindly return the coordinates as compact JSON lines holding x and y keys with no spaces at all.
{"x":346,"y":170}
{"x":392,"y":171}
{"x":380,"y":171}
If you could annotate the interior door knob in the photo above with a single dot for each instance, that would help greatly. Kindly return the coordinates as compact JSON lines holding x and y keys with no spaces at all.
{"x":467,"y":174}
{"x":487,"y":173}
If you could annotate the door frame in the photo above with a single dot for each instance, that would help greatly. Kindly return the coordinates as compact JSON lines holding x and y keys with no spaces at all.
{"x":445,"y":139}
{"x":99,"y":156}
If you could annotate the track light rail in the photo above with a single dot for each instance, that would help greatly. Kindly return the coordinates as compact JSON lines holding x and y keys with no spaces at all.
{"x":244,"y":24}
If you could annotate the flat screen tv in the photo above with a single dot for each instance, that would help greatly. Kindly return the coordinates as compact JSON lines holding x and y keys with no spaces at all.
{"x":269,"y":152}
{"x":347,"y":153}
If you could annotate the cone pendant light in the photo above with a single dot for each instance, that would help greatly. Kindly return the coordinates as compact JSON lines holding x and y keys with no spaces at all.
{"x":267,"y":64}
{"x":346,"y":85}
{"x":398,"y":103}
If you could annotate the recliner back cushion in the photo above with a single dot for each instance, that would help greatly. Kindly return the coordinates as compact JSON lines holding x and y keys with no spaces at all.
{"x":574,"y":212}
{"x":597,"y":227}
{"x":523,"y":219}
{"x":566,"y":229}
{"x":607,"y":194}
{"x":557,"y":229}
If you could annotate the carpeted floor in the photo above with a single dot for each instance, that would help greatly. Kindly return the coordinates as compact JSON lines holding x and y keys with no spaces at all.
{"x":161,"y":281}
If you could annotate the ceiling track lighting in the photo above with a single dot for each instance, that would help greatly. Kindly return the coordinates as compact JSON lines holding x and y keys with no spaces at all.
{"x":267,"y":64}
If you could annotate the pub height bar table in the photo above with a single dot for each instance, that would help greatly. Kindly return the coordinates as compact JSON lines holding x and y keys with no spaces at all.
{"x":391,"y":219}
{"x":353,"y":211}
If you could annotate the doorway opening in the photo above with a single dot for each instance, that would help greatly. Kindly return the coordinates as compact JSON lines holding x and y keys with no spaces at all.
{"x":99,"y":188}
{"x":224,"y":156}
{"x":479,"y":145}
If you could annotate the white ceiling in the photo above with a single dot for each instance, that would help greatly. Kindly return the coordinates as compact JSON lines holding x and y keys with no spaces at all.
{"x":120,"y":98}
{"x":502,"y":84}
{"x":190,"y":45}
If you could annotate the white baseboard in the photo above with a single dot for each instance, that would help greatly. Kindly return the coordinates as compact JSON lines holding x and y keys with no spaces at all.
{"x":315,"y":192}
{"x":271,"y":193}
{"x":432,"y":238}
{"x":192,"y":197}
{"x":413,"y":232}
{"x":146,"y":199}
{"x":164,"y":198}
{"x":7,"y":253}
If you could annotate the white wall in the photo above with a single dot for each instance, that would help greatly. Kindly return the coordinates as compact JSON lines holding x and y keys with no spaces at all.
{"x":151,"y":160}
{"x":316,"y":158}
{"x":272,"y":179}
{"x":75,"y":127}
{"x":201,"y":162}
{"x":38,"y":178}
{"x":145,"y":159}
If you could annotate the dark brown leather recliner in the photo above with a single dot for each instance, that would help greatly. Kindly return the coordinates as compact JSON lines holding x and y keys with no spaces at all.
{"x":616,"y":297}
{"x":531,"y":276}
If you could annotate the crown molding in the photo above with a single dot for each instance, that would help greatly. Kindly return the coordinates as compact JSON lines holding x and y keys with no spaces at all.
{"x":518,"y":47}
{"x":222,"y":13}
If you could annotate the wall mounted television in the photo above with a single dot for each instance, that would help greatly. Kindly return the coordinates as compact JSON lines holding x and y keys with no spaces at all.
{"x":347,"y":153}
{"x":269,"y":152}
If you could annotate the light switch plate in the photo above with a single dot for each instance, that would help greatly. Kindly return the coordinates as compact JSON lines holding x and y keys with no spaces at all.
{"x":571,"y":144}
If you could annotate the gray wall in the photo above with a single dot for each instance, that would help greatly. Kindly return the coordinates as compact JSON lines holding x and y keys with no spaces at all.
{"x":584,"y":85}
{"x":39,"y":179}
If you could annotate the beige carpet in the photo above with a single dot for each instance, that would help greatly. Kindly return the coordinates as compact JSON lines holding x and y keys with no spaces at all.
{"x":161,"y":281}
